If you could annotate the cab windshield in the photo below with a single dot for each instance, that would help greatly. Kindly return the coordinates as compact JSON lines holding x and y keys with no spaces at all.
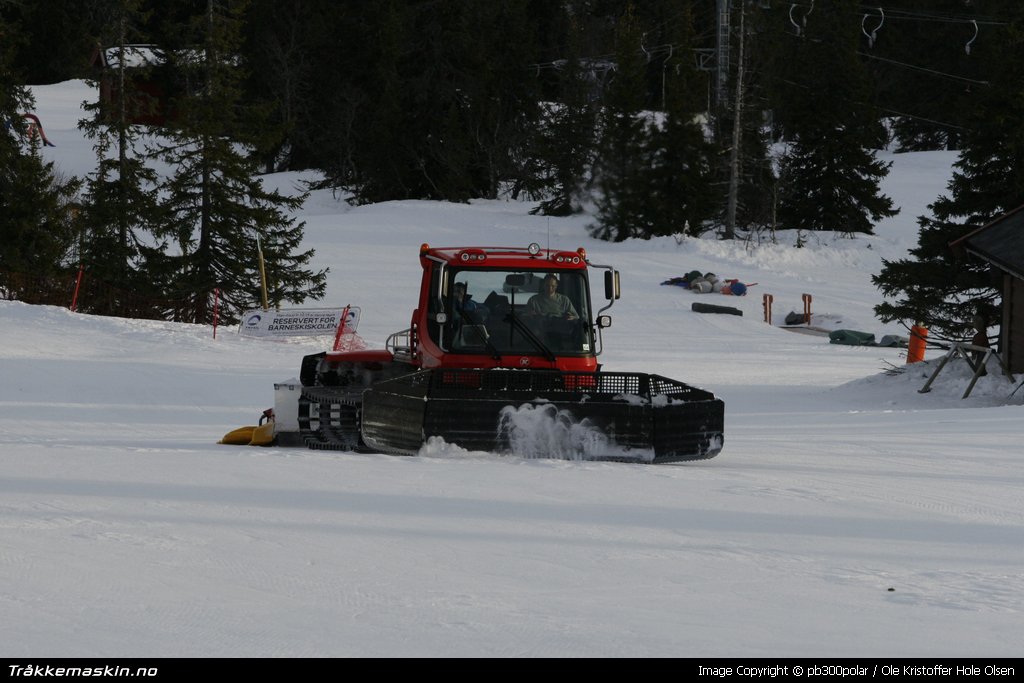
{"x":517,"y":312}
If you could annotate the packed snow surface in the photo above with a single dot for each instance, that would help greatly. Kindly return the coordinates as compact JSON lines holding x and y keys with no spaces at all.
{"x":847,"y":514}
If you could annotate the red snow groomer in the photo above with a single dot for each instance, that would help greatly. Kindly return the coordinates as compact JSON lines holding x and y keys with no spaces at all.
{"x":497,"y":331}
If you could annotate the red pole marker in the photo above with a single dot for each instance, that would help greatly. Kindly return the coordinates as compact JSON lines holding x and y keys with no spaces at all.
{"x":341,"y":328}
{"x":216,"y":310}
{"x":78,"y":283}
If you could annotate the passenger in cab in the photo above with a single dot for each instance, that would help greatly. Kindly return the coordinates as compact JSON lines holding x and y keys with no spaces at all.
{"x":465,"y":309}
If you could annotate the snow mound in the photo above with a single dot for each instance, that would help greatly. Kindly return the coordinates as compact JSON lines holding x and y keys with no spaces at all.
{"x":902,"y":385}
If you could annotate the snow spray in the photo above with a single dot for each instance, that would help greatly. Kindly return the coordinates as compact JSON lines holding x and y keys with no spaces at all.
{"x":545,"y":431}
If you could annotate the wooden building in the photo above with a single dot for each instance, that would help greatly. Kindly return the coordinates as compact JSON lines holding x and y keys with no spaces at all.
{"x":143,"y":82}
{"x":1001,"y":243}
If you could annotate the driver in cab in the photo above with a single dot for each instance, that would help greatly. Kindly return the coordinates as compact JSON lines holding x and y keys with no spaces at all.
{"x":550,"y":303}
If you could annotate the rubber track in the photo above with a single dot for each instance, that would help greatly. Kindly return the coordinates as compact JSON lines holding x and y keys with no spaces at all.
{"x":333,"y":425}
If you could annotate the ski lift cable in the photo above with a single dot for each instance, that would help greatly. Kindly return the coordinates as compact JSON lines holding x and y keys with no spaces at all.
{"x":934,"y":72}
{"x":944,"y":124}
{"x":923,"y":69}
{"x":664,"y":67}
{"x":882,"y":108}
{"x":897,"y":14}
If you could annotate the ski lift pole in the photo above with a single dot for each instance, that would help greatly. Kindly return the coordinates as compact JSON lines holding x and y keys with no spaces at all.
{"x":263,"y":275}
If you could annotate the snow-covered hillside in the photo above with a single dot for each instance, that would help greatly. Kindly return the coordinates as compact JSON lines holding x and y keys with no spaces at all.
{"x":847,"y":515}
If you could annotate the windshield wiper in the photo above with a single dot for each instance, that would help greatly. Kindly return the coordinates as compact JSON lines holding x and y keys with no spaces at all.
{"x":528,"y":333}
{"x":495,"y":354}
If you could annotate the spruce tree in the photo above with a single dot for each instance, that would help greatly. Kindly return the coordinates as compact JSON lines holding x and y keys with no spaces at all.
{"x":623,"y":152}
{"x":504,"y":111}
{"x":936,"y":287}
{"x":37,"y":227}
{"x":383,"y":161}
{"x":822,"y":97}
{"x":429,"y":100}
{"x":923,"y":59}
{"x":217,"y":207}
{"x":678,"y":180}
{"x":59,"y":37}
{"x":756,"y":183}
{"x":563,"y":147}
{"x":652,"y":172}
{"x":369,"y":119}
{"x":120,"y":211}
{"x":284,"y":46}
{"x":37,"y":222}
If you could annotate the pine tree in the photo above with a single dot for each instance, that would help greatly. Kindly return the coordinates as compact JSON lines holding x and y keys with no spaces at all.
{"x":936,"y":287}
{"x":120,"y":210}
{"x":430,"y":100}
{"x":756,"y":183}
{"x":822,"y":99}
{"x":679,"y":197}
{"x":563,"y":148}
{"x":922,"y":56}
{"x":283,"y":41}
{"x":37,"y":229}
{"x":216,"y":206}
{"x":59,"y":37}
{"x":370,"y":119}
{"x":504,"y":111}
{"x":37,"y":226}
{"x":623,"y":150}
{"x":653,"y":168}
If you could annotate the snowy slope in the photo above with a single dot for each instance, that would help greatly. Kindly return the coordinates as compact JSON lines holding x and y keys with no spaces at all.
{"x":847,"y":515}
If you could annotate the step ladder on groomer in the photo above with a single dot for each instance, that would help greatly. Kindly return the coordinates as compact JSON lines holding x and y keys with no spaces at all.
{"x":968,"y":352}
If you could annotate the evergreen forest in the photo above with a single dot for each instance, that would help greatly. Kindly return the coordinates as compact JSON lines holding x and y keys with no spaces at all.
{"x":725,"y":118}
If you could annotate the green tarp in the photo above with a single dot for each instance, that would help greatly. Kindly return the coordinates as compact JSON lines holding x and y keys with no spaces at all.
{"x":852,"y":338}
{"x":855,"y":338}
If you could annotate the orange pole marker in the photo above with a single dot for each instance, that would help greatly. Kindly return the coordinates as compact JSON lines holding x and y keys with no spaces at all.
{"x":807,"y":308}
{"x":918,"y":342}
{"x":768,"y":299}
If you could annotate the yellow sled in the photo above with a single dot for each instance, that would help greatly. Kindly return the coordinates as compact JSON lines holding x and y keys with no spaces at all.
{"x":238,"y":437}
{"x":262,"y":435}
